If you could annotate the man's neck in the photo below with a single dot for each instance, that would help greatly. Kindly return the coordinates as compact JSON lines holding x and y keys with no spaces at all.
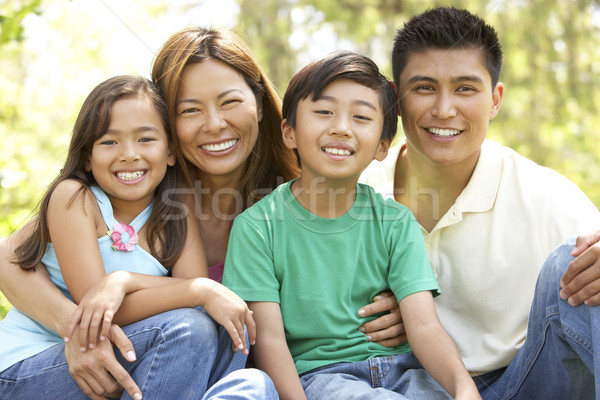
{"x":429,"y":189}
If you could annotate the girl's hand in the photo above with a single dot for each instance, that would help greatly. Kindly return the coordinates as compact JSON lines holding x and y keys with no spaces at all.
{"x":96,"y":310}
{"x":387,"y":330}
{"x":229,"y":310}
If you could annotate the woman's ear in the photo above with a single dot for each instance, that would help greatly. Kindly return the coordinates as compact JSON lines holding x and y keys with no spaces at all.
{"x":288,"y":135}
{"x":382,"y":150}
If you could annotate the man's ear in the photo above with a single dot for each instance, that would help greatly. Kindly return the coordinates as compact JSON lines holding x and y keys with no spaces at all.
{"x":497,"y":99}
{"x":382,"y":150}
{"x":288,"y":134}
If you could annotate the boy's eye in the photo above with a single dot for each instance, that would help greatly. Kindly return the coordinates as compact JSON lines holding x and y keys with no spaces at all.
{"x":363,"y":117}
{"x":324,"y":112}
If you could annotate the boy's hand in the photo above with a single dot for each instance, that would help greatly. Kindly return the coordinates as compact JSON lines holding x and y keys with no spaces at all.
{"x":229,"y":310}
{"x":387,"y":330}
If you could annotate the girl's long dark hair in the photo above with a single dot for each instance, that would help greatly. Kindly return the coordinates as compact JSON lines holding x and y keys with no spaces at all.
{"x":166,"y":226}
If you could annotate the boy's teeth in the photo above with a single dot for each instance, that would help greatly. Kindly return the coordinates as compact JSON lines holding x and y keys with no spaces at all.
{"x":444,"y":132}
{"x":337,"y":152}
{"x":219,"y":147}
{"x":129,"y":176}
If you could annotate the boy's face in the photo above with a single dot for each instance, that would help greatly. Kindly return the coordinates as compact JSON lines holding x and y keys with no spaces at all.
{"x":446,"y":103}
{"x":338,"y":135}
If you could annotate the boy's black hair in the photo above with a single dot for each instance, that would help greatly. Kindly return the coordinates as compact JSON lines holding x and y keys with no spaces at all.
{"x":316,"y":76}
{"x":446,"y":28}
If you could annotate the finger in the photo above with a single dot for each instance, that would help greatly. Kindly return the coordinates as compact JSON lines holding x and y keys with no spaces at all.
{"x":384,"y":294}
{"x":120,"y":339}
{"x":571,"y":281}
{"x":251,"y":326}
{"x":72,"y":324}
{"x":94,"y":328}
{"x":588,"y":282}
{"x":124,"y":379}
{"x":89,"y":383}
{"x":393,"y":342}
{"x":385,"y":304}
{"x":106,"y":324}
{"x":384,"y":322}
{"x":585,"y":241}
{"x":86,"y":389}
{"x":233,"y":331}
{"x":84,"y":331}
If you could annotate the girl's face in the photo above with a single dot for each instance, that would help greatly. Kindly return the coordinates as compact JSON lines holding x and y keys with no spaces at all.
{"x":130,"y":159}
{"x":217,"y":118}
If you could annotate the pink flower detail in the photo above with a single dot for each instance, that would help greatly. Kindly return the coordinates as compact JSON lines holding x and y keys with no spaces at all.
{"x":117,"y":235}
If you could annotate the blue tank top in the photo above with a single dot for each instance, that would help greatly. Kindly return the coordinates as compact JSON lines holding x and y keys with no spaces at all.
{"x":22,"y":337}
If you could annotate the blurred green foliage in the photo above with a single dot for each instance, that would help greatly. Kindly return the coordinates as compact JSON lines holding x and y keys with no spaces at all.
{"x":551,"y":72}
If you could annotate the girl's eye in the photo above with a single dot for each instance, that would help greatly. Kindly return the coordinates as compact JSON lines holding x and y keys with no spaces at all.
{"x":147,"y":139}
{"x":108,"y":142}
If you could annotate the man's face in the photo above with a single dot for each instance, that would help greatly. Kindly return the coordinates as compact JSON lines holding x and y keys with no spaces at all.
{"x":446,"y":103}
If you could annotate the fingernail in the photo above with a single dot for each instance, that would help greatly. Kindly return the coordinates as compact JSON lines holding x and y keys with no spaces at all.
{"x":131,"y":357}
{"x":376,"y":298}
{"x":369,"y":338}
{"x":137,"y":396}
{"x":563,"y":295}
{"x":571,"y":301}
{"x":92,"y":346}
{"x":363,"y":330}
{"x":241,"y":346}
{"x":102,"y":338}
{"x":361,"y":312}
{"x":66,"y":339}
{"x":82,"y":349}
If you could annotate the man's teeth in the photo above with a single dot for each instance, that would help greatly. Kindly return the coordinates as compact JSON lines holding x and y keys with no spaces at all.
{"x":219,"y":147}
{"x":130,"y":176}
{"x":444,"y":132}
{"x":336,"y":151}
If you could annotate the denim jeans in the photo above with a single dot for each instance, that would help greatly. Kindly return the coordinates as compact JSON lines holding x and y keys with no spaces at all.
{"x":557,"y":359}
{"x":378,"y":378}
{"x":181,"y":354}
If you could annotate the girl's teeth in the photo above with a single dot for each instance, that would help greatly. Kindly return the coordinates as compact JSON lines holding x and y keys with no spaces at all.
{"x":444,"y":132}
{"x":130,"y":176}
{"x":337,"y":152}
{"x":219,"y":147}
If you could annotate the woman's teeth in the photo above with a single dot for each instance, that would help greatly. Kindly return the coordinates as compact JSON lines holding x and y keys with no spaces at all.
{"x":219,"y":147}
{"x":337,"y":152}
{"x":130,"y":176}
{"x":444,"y":132}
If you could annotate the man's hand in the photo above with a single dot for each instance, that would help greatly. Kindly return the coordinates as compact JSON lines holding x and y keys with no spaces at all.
{"x":97,"y":371}
{"x":581,"y":281}
{"x":387,"y":330}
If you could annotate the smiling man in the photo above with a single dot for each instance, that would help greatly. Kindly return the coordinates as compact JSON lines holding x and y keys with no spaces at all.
{"x":489,"y":216}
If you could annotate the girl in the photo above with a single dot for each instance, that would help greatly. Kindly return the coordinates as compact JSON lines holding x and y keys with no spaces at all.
{"x":109,"y":207}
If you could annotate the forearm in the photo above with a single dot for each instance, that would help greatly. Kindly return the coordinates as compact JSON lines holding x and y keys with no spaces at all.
{"x":273,"y":357}
{"x":49,"y":306}
{"x":166,"y":294}
{"x":439,"y":356}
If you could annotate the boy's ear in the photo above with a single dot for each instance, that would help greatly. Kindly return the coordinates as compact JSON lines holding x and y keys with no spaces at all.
{"x":288,"y":134}
{"x":171,"y":158}
{"x":382,"y":150}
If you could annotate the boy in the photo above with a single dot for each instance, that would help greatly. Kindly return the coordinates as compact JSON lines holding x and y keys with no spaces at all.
{"x":322,"y":243}
{"x":489,"y":216}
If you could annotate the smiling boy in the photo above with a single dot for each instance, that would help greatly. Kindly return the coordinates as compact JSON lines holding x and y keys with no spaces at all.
{"x":323,"y":243}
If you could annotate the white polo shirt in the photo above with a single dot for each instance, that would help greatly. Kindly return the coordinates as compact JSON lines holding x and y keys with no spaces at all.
{"x":488,"y":249}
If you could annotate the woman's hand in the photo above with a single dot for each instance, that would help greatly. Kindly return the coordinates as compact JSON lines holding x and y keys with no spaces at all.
{"x":387,"y":330}
{"x":96,"y":310}
{"x":229,"y":310}
{"x":97,"y":372}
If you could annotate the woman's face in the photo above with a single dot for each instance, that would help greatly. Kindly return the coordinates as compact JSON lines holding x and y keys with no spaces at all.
{"x":217,"y":118}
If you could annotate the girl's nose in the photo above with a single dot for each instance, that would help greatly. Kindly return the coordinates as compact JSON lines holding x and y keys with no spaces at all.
{"x":129,"y":152}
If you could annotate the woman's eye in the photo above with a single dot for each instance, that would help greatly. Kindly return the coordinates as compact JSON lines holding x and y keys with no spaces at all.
{"x":190,"y":110}
{"x":231,"y":101}
{"x":108,"y":142}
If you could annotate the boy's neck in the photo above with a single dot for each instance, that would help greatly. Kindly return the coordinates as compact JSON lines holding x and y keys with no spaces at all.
{"x":323,"y":197}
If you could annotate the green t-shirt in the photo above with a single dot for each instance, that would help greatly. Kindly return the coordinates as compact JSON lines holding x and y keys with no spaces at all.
{"x":321,"y":270}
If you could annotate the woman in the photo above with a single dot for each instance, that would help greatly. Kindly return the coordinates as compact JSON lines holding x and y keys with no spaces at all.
{"x":226,"y":119}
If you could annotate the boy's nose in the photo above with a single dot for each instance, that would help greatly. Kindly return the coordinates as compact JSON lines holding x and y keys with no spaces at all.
{"x":341,"y":127}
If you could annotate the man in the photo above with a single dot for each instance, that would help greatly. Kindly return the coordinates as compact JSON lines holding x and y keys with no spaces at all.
{"x":489,"y":217}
